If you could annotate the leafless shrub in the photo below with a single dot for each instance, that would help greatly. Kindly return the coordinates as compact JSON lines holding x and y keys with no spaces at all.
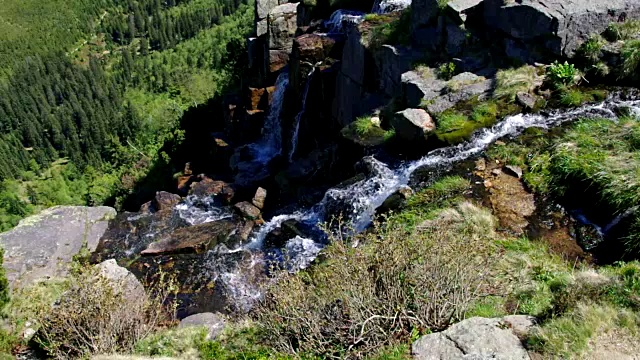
{"x":95,"y":317}
{"x":395,"y":283}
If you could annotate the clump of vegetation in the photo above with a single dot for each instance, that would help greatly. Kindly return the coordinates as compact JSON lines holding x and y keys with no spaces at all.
{"x":591,"y":50}
{"x":97,"y":316}
{"x":623,"y":31}
{"x":403,"y":280}
{"x":365,"y":131}
{"x":446,"y":71}
{"x":454,"y":126}
{"x":562,"y":74}
{"x":631,"y":58}
{"x":512,"y":81}
{"x":391,"y":29}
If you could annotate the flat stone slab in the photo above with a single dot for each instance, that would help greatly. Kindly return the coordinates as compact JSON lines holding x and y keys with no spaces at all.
{"x":42,"y":246}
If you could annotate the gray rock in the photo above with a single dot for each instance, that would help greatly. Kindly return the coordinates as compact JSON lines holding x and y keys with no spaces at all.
{"x":282,"y":25}
{"x":475,"y":338}
{"x":392,"y":62}
{"x":423,"y":12}
{"x":521,"y":325}
{"x":418,"y":87}
{"x":259,"y":198}
{"x":247,"y":210}
{"x":43,"y":245}
{"x":413,"y":124}
{"x":460,"y":10}
{"x":562,"y":25}
{"x":213,"y":322}
{"x":461,"y":87}
{"x":263,"y":7}
{"x":513,"y":170}
{"x":262,"y":27}
{"x":526,"y":100}
{"x":395,"y":201}
{"x":122,"y":280}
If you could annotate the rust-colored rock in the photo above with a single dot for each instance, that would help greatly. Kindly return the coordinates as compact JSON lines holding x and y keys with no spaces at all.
{"x":164,"y":201}
{"x":278,"y":59}
{"x":258,"y":99}
{"x":192,"y":239}
{"x":184,"y":182}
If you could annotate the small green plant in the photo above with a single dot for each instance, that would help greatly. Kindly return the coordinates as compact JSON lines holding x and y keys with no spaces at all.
{"x":446,"y":71}
{"x":562,"y":74}
{"x":573,"y":97}
{"x":592,"y":48}
{"x":4,"y":284}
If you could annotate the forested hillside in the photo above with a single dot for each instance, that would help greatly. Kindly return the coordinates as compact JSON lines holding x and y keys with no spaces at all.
{"x":91,"y":90}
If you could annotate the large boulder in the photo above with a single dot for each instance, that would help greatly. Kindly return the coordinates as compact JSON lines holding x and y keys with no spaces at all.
{"x":191,"y":239}
{"x":43,"y":245}
{"x":121,"y":280}
{"x":421,"y":85}
{"x":350,"y":79}
{"x":413,"y":124}
{"x":559,"y":25}
{"x":391,"y":62}
{"x":423,"y":12}
{"x":463,"y":10}
{"x":474,"y":338}
{"x":165,"y":200}
{"x":461,"y":87}
{"x":213,"y":322}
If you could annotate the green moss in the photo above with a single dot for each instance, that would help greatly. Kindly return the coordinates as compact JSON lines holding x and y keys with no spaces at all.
{"x":485,"y":114}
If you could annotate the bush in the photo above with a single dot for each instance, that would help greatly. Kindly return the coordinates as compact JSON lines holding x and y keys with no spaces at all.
{"x":4,"y":283}
{"x":631,"y":58}
{"x":623,"y":31}
{"x":591,"y":49}
{"x":362,"y":299}
{"x":94,"y":317}
{"x":446,"y":71}
{"x":562,"y":74}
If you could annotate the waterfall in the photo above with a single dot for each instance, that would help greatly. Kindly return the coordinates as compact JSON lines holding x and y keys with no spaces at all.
{"x":271,"y":143}
{"x":388,"y":6}
{"x":340,"y":20}
{"x":296,"y":125}
{"x":363,"y":197}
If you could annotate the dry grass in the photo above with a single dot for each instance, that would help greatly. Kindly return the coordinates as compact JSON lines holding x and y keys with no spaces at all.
{"x":512,"y":81}
{"x":398,"y":283}
{"x":95,"y":317}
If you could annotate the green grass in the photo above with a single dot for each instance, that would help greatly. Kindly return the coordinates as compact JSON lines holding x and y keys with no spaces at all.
{"x":631,"y":58}
{"x":390,"y":29}
{"x":591,"y":49}
{"x":509,"y":82}
{"x":454,"y":126}
{"x":365,"y":132}
{"x":623,"y":31}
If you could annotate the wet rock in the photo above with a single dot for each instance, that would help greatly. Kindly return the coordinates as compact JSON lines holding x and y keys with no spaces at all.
{"x":259,"y":198}
{"x":43,"y":245}
{"x":511,"y":203}
{"x":122,"y":280}
{"x":279,"y":237}
{"x":209,"y":187}
{"x":184,"y":183}
{"x":526,"y":100}
{"x":413,"y":125}
{"x":474,"y":338}
{"x":248,"y":210}
{"x":588,"y":236}
{"x":191,"y":239}
{"x":164,"y":201}
{"x":214,"y":323}
{"x":460,"y":10}
{"x":560,"y":26}
{"x":395,"y":201}
{"x":513,"y":170}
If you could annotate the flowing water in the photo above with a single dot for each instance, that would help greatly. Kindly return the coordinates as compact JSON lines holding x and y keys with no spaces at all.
{"x":271,"y":143}
{"x":296,"y":124}
{"x":358,"y":201}
{"x":387,"y":6}
{"x":340,"y":20}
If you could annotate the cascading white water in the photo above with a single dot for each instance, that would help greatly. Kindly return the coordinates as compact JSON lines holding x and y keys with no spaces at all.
{"x":296,"y":124}
{"x":341,"y":19}
{"x":387,"y":6}
{"x":199,"y":210}
{"x":271,"y":143}
{"x":362,"y":198}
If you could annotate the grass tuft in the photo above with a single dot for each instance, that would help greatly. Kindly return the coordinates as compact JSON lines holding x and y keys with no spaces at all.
{"x":623,"y":31}
{"x":512,"y":81}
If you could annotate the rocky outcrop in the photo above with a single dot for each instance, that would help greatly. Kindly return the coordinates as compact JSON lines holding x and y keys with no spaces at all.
{"x":214,"y":323}
{"x":247,"y":210}
{"x":413,"y":125}
{"x":165,"y":200}
{"x":283,"y":20}
{"x":391,"y":62}
{"x":350,"y":80}
{"x":476,"y":338}
{"x":423,"y":13}
{"x":559,"y":25}
{"x":43,"y":245}
{"x":210,"y":187}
